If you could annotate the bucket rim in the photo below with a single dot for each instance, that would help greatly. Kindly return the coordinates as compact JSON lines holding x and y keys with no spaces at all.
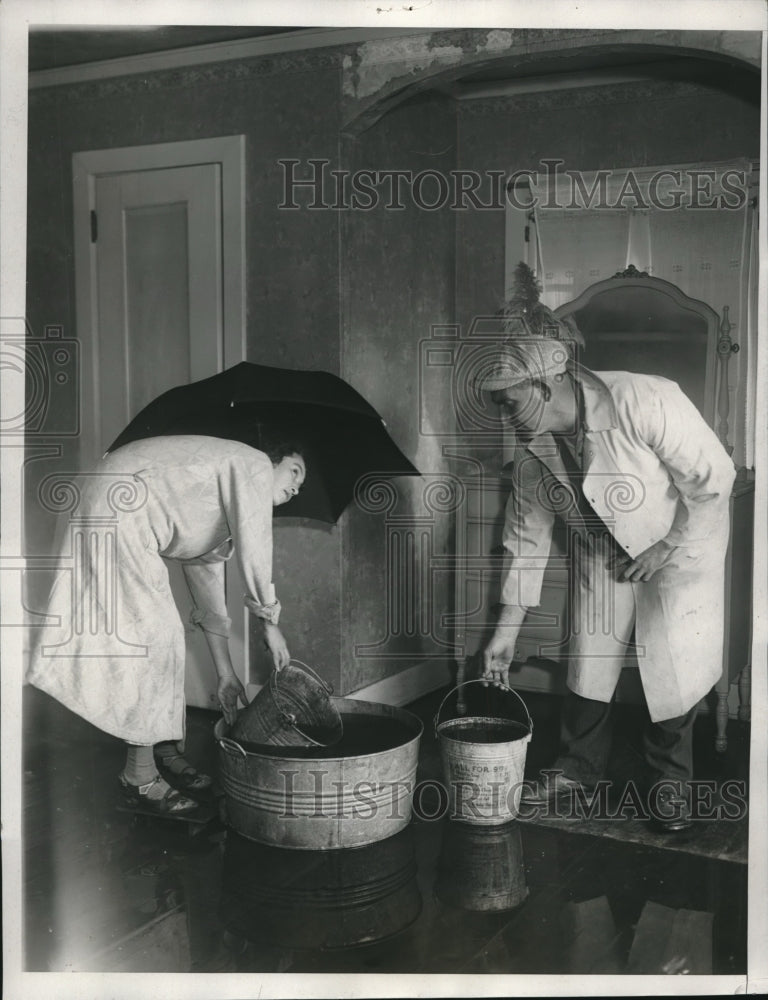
{"x":312,"y":744}
{"x":293,"y":662}
{"x":465,"y":721}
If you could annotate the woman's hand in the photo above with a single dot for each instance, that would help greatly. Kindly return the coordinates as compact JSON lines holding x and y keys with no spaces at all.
{"x":275,"y":643}
{"x":228,"y":691}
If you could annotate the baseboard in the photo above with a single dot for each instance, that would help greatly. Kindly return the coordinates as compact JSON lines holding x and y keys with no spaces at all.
{"x":429,"y":675}
{"x":407,"y":685}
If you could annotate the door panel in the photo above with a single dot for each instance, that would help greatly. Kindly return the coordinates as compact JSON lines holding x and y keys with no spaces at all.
{"x":157,"y":301}
{"x":159,"y":284}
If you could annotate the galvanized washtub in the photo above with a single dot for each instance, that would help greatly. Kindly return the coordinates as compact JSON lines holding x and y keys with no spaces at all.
{"x":321,"y":798}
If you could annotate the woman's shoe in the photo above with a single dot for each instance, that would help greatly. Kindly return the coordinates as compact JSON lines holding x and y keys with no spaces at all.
{"x":191,"y":780}
{"x":171,"y":802}
{"x":188,"y":778}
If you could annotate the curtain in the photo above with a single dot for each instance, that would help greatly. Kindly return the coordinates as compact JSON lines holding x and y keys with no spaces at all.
{"x":688,"y":224}
{"x":577,"y":248}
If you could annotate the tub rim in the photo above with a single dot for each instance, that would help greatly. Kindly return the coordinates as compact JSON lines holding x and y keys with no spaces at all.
{"x":221,"y":729}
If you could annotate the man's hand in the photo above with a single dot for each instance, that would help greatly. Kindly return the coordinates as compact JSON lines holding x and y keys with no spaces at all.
{"x":643,"y":566}
{"x":276,"y":644}
{"x":500,"y":651}
{"x":228,"y":691}
{"x":497,"y":656}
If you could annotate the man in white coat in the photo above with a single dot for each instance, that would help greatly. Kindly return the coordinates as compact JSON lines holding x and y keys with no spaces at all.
{"x":643,"y":484}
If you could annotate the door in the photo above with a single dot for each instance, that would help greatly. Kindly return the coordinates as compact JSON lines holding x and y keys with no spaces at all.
{"x":160,"y":323}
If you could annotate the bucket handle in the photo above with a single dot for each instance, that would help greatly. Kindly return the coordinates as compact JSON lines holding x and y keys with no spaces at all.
{"x":288,"y":717}
{"x":231,"y":746}
{"x":477,"y":680}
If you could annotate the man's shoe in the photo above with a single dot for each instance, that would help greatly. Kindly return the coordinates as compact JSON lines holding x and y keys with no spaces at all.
{"x":551,"y":787}
{"x":670,"y":810}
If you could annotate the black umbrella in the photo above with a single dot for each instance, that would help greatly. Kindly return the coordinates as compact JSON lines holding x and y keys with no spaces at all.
{"x":344,"y":438}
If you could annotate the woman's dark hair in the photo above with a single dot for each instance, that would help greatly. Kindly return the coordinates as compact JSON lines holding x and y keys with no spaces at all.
{"x":276,"y":443}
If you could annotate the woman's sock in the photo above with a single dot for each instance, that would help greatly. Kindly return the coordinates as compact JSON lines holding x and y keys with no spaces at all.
{"x":140,"y":767}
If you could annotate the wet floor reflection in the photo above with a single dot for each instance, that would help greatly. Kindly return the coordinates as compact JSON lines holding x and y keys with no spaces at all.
{"x":481,"y":867}
{"x":440,"y":897}
{"x":105,"y":891}
{"x":319,"y":899}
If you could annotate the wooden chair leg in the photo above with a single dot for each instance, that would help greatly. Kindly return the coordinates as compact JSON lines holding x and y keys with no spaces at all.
{"x":721,"y":721}
{"x":461,"y":676}
{"x":745,"y":693}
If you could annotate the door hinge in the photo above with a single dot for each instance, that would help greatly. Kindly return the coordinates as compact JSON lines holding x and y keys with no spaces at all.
{"x":94,"y":227}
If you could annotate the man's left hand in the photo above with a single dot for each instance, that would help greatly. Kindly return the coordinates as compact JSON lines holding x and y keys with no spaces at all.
{"x":644,"y":565}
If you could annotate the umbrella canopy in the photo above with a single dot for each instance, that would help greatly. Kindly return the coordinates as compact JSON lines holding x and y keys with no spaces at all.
{"x":343,"y":436}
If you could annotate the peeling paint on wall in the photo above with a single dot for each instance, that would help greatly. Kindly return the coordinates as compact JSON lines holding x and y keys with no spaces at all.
{"x":496,"y":41}
{"x":347,"y":82}
{"x":378,"y":72}
{"x":378,"y":62}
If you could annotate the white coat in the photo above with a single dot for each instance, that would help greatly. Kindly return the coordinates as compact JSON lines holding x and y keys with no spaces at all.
{"x":113,"y":650}
{"x":652,"y":469}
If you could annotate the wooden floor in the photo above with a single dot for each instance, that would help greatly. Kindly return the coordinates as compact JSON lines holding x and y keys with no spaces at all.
{"x":104,"y":892}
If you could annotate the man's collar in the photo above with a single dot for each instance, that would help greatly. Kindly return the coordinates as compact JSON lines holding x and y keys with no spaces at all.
{"x":599,"y":412}
{"x":596,"y":409}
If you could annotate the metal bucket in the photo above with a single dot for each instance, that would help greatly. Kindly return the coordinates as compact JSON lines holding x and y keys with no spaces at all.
{"x":293,"y":708}
{"x":481,"y":868}
{"x":325,"y":798}
{"x":319,"y":899}
{"x":483,"y":763}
